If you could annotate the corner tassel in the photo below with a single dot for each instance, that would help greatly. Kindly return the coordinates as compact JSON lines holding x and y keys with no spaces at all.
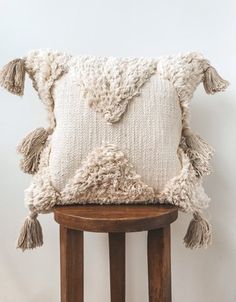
{"x":213,"y":82}
{"x":31,"y":148}
{"x":199,"y":233}
{"x":198,"y":151}
{"x":12,"y":76}
{"x":31,"y":235}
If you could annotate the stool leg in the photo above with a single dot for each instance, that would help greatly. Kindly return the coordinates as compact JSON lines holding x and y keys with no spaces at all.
{"x":159,"y":265}
{"x":117,"y":266}
{"x":71,"y":250}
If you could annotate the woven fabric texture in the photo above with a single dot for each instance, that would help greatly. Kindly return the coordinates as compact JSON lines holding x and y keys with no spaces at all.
{"x":149,"y":132}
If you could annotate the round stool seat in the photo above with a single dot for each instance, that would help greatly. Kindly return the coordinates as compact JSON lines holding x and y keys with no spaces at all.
{"x":115,"y":218}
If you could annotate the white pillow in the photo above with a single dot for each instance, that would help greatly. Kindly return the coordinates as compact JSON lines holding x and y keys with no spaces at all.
{"x":119,"y":132}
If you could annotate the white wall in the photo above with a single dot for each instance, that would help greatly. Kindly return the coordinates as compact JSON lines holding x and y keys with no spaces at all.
{"x":121,"y":28}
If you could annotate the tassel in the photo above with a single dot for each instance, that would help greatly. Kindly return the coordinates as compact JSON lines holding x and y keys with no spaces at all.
{"x":31,"y":235}
{"x":213,"y":82}
{"x":199,"y":233}
{"x":198,"y":151}
{"x":12,"y":76}
{"x":31,"y":148}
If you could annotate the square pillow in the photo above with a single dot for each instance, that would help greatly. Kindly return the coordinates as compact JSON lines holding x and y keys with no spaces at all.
{"x":119,"y":132}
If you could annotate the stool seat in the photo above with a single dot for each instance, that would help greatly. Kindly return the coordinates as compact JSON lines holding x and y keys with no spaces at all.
{"x":115,"y":218}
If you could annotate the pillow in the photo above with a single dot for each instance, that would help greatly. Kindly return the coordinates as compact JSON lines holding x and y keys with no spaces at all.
{"x":119,"y":132}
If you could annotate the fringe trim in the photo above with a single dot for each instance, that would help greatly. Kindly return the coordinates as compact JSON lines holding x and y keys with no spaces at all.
{"x":106,"y":176}
{"x":31,"y":148}
{"x":199,"y":233}
{"x":45,"y":67}
{"x":186,"y":71}
{"x":199,"y":152}
{"x":12,"y":76}
{"x":185,"y":190}
{"x":41,"y":196}
{"x":108,"y":83}
{"x":109,"y":185}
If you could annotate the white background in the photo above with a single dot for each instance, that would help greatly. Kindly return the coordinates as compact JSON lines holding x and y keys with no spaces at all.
{"x":121,"y":28}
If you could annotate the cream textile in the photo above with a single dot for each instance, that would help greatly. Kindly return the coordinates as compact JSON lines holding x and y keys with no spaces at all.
{"x":148,"y":133}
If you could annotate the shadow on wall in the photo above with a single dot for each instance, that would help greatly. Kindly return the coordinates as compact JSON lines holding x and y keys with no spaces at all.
{"x":214,"y":120}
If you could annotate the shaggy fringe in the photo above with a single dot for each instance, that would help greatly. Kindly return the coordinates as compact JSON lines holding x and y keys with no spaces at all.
{"x":184,"y":71}
{"x":41,"y":196}
{"x":185,"y":190}
{"x":199,"y":152}
{"x":106,"y":176}
{"x":45,"y":68}
{"x":108,"y":83}
{"x":187,"y":71}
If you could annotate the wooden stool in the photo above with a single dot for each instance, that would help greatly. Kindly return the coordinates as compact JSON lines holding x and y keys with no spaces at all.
{"x":115,"y":220}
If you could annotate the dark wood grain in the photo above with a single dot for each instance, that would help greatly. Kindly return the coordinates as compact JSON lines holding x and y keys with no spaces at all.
{"x":115,"y":218}
{"x":117,"y":266}
{"x":159,"y":265}
{"x":71,"y":248}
